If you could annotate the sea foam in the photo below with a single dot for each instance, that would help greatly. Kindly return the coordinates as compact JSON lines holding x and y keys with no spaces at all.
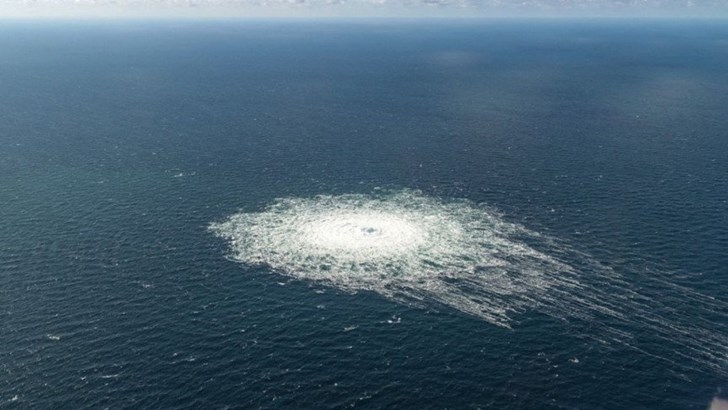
{"x":403,"y":245}
{"x":425,"y":251}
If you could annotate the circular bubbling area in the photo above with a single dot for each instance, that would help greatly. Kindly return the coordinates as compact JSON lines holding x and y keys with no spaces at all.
{"x":424,"y":251}
{"x":402,"y":245}
{"x":363,"y":235}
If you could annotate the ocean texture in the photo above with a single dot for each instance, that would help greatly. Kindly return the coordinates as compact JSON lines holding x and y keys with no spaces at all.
{"x":478,"y":214}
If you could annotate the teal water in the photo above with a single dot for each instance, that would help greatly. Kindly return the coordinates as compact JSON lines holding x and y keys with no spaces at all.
{"x":122,"y":142}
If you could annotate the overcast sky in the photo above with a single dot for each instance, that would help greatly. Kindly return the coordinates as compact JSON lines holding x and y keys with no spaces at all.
{"x":362,"y":8}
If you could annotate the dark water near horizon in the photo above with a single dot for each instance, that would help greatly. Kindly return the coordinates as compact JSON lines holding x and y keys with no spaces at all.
{"x":120,"y":142}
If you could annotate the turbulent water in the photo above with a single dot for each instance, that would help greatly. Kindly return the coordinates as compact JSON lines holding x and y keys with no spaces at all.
{"x":418,"y":249}
{"x":402,"y":245}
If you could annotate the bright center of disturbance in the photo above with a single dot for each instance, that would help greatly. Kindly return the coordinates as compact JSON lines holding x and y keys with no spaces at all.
{"x":359,"y":231}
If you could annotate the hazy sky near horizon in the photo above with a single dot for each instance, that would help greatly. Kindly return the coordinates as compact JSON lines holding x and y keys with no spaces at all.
{"x":362,"y":8}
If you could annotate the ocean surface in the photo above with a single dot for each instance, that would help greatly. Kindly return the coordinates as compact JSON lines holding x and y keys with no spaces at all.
{"x":124,"y":144}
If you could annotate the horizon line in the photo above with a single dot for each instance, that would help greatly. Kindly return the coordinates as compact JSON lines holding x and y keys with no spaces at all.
{"x":81,"y":17}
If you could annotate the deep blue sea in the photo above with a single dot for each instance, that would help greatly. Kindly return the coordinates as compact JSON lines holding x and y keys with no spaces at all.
{"x":122,"y":141}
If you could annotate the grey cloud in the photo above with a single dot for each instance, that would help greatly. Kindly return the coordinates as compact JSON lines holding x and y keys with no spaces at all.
{"x":354,"y":7}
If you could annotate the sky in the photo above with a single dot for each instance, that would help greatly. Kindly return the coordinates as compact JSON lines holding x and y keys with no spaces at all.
{"x":361,"y":8}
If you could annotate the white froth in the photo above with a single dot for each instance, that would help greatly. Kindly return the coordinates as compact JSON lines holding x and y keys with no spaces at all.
{"x":419,"y":250}
{"x":402,"y":245}
{"x":362,"y":235}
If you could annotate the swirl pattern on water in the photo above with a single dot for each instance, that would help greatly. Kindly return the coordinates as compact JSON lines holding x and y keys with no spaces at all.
{"x":419,"y":250}
{"x":402,"y":245}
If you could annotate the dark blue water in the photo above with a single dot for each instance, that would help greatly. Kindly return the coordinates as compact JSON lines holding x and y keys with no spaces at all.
{"x":120,"y":142}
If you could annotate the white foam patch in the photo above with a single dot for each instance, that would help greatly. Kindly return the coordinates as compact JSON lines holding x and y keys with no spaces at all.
{"x":402,"y":245}
{"x":419,"y":250}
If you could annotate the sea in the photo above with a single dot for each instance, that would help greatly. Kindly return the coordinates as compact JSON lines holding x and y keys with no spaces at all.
{"x":122,"y":142}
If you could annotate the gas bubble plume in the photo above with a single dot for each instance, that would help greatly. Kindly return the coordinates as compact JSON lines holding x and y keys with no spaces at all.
{"x":426,"y":251}
{"x":402,"y":245}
